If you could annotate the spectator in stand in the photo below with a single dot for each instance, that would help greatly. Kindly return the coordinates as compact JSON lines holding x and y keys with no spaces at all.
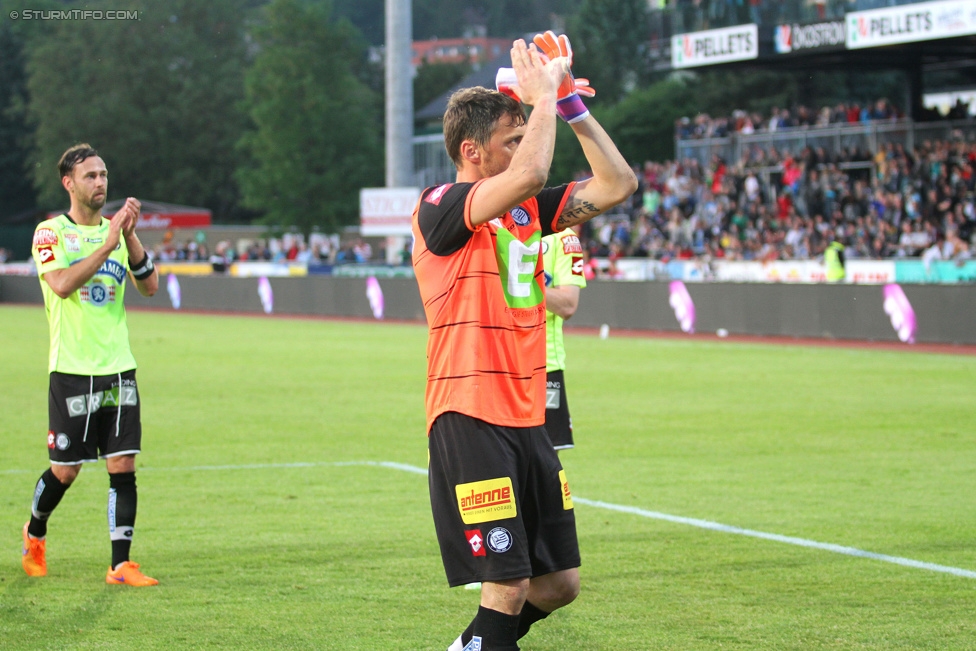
{"x":363,"y":251}
{"x":291,"y":252}
{"x":222,"y":257}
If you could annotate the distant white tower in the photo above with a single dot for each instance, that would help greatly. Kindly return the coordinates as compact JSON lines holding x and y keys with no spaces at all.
{"x":399,"y":94}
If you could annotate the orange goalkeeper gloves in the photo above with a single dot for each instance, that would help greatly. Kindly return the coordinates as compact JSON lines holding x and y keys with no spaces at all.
{"x":569,"y":106}
{"x":568,"y":103}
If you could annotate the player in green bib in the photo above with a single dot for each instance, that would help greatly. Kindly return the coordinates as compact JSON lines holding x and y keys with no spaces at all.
{"x":562,"y":258}
{"x":82,"y":261}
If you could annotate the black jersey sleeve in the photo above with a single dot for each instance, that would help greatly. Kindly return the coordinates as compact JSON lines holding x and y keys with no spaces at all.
{"x":441,"y":218}
{"x":550,"y":201}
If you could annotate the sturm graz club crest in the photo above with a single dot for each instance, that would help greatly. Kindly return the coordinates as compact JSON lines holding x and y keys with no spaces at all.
{"x":520,"y":216}
{"x":499,"y":540}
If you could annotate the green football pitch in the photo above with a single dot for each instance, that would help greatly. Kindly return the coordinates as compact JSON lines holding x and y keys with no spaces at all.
{"x":728,"y":495}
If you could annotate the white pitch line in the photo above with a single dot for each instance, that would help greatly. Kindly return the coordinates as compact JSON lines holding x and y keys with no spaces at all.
{"x":632,"y":510}
{"x":790,"y":540}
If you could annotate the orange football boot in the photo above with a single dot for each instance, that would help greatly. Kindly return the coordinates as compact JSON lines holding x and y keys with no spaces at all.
{"x":128,"y":573}
{"x":33,"y":555}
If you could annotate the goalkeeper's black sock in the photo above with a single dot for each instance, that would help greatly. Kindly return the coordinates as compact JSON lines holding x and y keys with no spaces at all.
{"x":496,"y":630}
{"x":47,"y":495}
{"x":529,"y":616}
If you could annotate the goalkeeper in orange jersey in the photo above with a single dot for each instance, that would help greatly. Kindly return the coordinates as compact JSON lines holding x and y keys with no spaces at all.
{"x":502,"y":508}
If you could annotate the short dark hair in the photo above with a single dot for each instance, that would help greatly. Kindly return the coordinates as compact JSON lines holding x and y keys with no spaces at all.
{"x":472,"y":113}
{"x":74,"y":155}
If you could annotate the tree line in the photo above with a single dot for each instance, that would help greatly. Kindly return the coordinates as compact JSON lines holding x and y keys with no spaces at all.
{"x":254,"y":110}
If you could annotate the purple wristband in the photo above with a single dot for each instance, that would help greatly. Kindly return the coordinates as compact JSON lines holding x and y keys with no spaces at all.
{"x":571,"y":109}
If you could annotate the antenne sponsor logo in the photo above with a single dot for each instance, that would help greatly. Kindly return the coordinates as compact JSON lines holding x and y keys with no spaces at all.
{"x":485,"y":501}
{"x":564,"y":487}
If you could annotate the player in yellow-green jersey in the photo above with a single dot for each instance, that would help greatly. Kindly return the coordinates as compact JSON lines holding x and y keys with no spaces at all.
{"x":562,"y":258}
{"x":82,"y":261}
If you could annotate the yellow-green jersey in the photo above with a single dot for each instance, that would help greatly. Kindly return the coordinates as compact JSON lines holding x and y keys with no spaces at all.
{"x":562,"y":259}
{"x":89,"y":335}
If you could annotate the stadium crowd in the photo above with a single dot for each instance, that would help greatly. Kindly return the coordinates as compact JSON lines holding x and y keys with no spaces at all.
{"x":290,"y":247}
{"x":743,"y":122}
{"x":771,"y":204}
{"x":898,"y":203}
{"x":705,"y":126}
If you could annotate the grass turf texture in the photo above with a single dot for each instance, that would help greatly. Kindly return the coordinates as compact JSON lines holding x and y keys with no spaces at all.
{"x":870,"y":449}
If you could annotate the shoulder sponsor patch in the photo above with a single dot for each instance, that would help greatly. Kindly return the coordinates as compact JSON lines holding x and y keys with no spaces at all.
{"x":567,"y":496}
{"x":437,"y":194}
{"x":45,"y":237}
{"x":486,"y":501}
{"x":577,"y":266}
{"x":46,"y":254}
{"x":571,"y":244}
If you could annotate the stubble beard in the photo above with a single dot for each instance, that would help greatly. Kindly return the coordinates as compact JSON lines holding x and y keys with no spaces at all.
{"x":95,"y":204}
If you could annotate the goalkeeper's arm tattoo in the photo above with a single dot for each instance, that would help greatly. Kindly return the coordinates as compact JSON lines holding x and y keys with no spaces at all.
{"x":576,"y":211}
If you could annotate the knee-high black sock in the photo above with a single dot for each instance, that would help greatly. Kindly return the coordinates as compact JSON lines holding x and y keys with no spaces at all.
{"x":496,"y":630}
{"x":529,"y":616}
{"x":47,"y":495}
{"x":121,"y":514}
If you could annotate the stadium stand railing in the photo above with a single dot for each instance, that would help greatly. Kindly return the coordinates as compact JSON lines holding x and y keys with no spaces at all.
{"x":867,"y":136}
